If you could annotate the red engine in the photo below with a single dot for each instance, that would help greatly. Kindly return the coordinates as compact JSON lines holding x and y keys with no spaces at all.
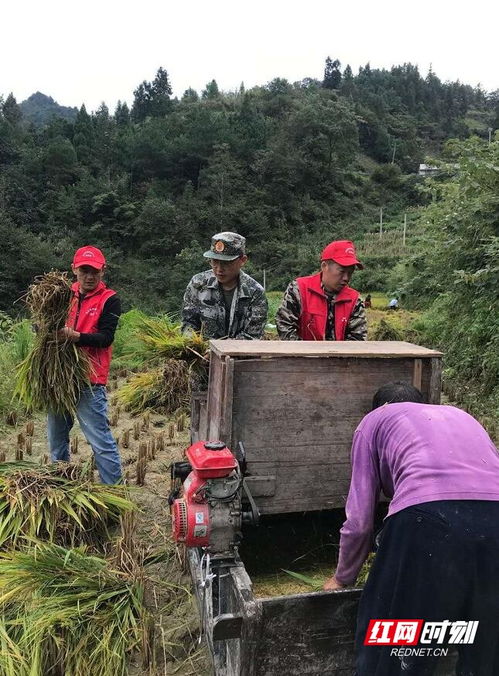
{"x":209,"y":512}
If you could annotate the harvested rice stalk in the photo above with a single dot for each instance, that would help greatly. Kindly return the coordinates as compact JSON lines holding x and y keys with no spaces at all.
{"x":55,"y":371}
{"x":159,"y":339}
{"x":151,"y":449}
{"x":141,"y":464}
{"x":48,"y":300}
{"x":125,"y":441}
{"x":11,"y":418}
{"x":74,"y":445}
{"x":181,"y":422}
{"x":67,"y":612}
{"x":56,"y":502}
{"x":165,"y":389}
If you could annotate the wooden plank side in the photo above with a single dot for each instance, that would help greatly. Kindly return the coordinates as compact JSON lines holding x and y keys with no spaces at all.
{"x":304,"y":348}
{"x":303,"y":487}
{"x":308,"y":634}
{"x":215,"y":395}
{"x":417,"y":376}
{"x":198,"y":416}
{"x":226,"y":413}
{"x":435,"y":384}
{"x":297,"y":420}
{"x":275,"y":408}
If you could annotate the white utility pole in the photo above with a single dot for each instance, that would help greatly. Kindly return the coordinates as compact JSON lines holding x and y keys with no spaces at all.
{"x":381,"y":222}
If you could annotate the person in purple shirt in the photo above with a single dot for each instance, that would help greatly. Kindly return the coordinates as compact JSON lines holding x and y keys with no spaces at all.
{"x":438,"y":553}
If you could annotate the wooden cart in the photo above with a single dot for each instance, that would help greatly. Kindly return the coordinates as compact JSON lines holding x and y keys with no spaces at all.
{"x":294,"y":406}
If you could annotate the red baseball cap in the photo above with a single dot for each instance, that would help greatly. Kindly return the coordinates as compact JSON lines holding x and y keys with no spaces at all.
{"x":341,"y":252}
{"x":89,"y":255}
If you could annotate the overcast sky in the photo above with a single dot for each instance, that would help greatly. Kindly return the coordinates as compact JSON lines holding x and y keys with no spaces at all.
{"x":99,"y":50}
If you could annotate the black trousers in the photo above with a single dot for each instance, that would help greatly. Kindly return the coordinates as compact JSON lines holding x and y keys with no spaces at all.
{"x":436,"y":561}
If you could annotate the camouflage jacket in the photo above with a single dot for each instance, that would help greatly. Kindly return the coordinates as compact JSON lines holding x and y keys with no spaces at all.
{"x":288,"y":317}
{"x":203,"y":309}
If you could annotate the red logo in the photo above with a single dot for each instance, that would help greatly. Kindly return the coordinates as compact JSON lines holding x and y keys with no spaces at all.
{"x":393,"y":632}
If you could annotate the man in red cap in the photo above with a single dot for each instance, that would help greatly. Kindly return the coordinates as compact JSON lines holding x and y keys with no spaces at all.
{"x":91,"y":324}
{"x":323,"y":306}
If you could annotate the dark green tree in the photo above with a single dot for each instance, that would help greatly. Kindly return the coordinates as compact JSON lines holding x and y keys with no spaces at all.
{"x":122,"y":114}
{"x":332,"y":74}
{"x":83,"y":135}
{"x":11,"y":111}
{"x":211,"y":91}
{"x":152,"y":99}
{"x":190,"y":96}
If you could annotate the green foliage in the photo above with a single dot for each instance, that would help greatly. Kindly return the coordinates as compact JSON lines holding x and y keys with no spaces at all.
{"x":152,"y":99}
{"x":22,"y":256}
{"x":124,"y":338}
{"x":457,"y":269}
{"x":16,"y":340}
{"x":274,"y":299}
{"x":287,"y":165}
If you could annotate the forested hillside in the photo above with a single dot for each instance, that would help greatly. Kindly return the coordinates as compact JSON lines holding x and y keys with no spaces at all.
{"x":289,"y":165}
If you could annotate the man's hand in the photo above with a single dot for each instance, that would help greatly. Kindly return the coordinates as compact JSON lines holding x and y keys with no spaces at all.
{"x":332,"y":584}
{"x":68,"y":334}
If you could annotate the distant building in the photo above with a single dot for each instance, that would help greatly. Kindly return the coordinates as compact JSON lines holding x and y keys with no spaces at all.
{"x":426,"y":170}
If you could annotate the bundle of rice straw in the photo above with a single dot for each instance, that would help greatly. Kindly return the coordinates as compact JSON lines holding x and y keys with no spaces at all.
{"x":165,"y":389}
{"x":157,"y":339}
{"x":57,"y":502}
{"x":63,"y":611}
{"x":55,"y":371}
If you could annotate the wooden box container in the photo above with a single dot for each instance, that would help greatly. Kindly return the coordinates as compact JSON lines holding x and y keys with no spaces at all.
{"x":295,"y":406}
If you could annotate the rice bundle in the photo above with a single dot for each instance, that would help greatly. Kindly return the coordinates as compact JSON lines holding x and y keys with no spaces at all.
{"x":164,"y":389}
{"x":56,"y":502}
{"x":55,"y":371}
{"x":178,"y":360}
{"x":158,"y":339}
{"x":63,"y":611}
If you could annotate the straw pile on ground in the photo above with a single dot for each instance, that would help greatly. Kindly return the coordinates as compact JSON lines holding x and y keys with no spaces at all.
{"x":57,"y":502}
{"x":176,"y":363}
{"x":53,"y":374}
{"x":165,"y":389}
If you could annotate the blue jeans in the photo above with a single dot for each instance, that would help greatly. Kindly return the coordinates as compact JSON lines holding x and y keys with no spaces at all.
{"x":92,"y":416}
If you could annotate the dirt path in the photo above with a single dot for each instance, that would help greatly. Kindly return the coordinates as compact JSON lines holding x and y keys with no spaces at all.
{"x":176,"y":650}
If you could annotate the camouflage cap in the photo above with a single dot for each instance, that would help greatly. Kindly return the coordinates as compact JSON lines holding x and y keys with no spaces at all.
{"x":226,"y":246}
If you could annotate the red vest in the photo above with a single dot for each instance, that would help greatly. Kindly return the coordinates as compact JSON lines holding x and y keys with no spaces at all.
{"x":314,"y":304}
{"x":85,"y":319}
